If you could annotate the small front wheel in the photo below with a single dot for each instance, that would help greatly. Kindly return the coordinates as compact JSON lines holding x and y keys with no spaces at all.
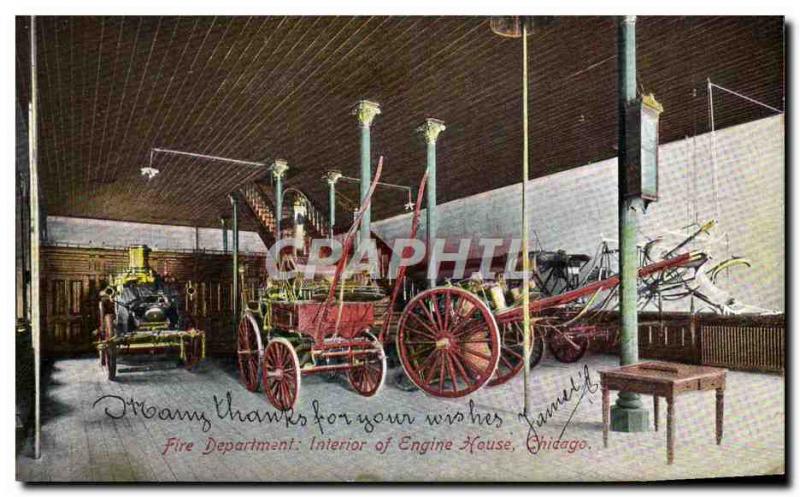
{"x":368,"y":372}
{"x":280,"y":374}
{"x":568,"y":346}
{"x":248,"y":350}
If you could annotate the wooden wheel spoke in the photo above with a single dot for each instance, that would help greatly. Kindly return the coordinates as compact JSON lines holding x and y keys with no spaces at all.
{"x":414,"y":330}
{"x":288,"y":392}
{"x":285,"y":395}
{"x":475,"y":328}
{"x":426,"y":373}
{"x":429,"y":315}
{"x":456,"y":317}
{"x":462,"y":323}
{"x":421,"y":350}
{"x":451,"y":371}
{"x":441,"y":373}
{"x":431,"y":331}
{"x":478,"y":354}
{"x":370,"y":375}
{"x":448,"y":305}
{"x":515,"y":354}
{"x":430,"y":357}
{"x":460,"y":368}
{"x":282,"y":356}
{"x":437,"y":313}
{"x":512,"y":335}
{"x":505,"y":361}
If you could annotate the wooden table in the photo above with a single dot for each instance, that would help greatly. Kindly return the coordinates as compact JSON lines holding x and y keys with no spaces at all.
{"x":663,"y":379}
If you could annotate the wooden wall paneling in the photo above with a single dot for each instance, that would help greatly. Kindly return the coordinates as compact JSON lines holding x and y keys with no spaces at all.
{"x":73,"y":278}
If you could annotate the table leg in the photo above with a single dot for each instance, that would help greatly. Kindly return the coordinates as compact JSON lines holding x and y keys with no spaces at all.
{"x":606,"y":408}
{"x":655,"y":411}
{"x":720,"y":413}
{"x":670,"y":429}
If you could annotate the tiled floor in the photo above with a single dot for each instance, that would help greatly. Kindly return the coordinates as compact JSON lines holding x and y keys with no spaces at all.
{"x":82,"y":443}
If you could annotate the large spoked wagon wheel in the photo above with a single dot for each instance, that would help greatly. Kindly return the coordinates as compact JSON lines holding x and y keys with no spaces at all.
{"x":512,"y":351}
{"x":369,"y":371}
{"x":567,"y":345}
{"x":448,"y":342}
{"x":280,"y":374}
{"x":108,"y":354}
{"x":249,"y":350}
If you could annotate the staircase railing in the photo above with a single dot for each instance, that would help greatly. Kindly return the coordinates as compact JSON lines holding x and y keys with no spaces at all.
{"x":261,"y":201}
{"x":263,"y":211}
{"x":315,"y":217}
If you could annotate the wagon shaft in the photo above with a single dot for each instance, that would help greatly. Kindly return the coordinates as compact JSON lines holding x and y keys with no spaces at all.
{"x":515,"y":314}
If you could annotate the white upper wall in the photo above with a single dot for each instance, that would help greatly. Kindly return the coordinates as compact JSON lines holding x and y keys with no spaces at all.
{"x":573,"y":210}
{"x":102,"y":233}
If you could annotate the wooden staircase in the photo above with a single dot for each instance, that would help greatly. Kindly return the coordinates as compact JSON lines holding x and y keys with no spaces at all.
{"x":261,"y":209}
{"x":260,"y":200}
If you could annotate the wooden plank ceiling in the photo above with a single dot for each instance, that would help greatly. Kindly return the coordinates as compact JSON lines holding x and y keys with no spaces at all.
{"x":256,"y":88}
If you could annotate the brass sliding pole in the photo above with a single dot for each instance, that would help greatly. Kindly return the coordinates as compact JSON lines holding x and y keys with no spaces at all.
{"x":35,"y":229}
{"x":526,"y":278}
{"x":235,"y":258}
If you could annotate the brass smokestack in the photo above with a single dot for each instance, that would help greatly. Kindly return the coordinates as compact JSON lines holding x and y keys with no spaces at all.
{"x":139,"y":257}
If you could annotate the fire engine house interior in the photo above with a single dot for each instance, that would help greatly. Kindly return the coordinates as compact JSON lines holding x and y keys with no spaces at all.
{"x":178,"y":177}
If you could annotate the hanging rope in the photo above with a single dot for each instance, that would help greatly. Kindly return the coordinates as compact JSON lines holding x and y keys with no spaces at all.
{"x":712,"y":123}
{"x":714,"y":191}
{"x":745,"y":97}
{"x":710,"y":87}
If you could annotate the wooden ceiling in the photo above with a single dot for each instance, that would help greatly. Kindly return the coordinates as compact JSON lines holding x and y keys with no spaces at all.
{"x":256,"y":88}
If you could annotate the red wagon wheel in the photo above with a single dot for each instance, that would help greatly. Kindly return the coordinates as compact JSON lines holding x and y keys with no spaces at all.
{"x":249,"y":350}
{"x":513,"y":349}
{"x":567,"y":345}
{"x":448,"y":342}
{"x":280,"y":374}
{"x":369,"y":372}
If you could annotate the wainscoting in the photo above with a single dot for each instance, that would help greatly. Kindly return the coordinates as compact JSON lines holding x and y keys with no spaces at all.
{"x":73,"y":277}
{"x":747,"y":343}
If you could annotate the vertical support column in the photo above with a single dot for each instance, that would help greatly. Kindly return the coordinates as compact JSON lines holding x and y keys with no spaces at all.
{"x":526,"y":264}
{"x":627,"y":414}
{"x":224,"y":234}
{"x":430,"y":131}
{"x":365,"y":111}
{"x":35,"y":239}
{"x":279,"y":168}
{"x":331,"y":177}
{"x":235,"y":256}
